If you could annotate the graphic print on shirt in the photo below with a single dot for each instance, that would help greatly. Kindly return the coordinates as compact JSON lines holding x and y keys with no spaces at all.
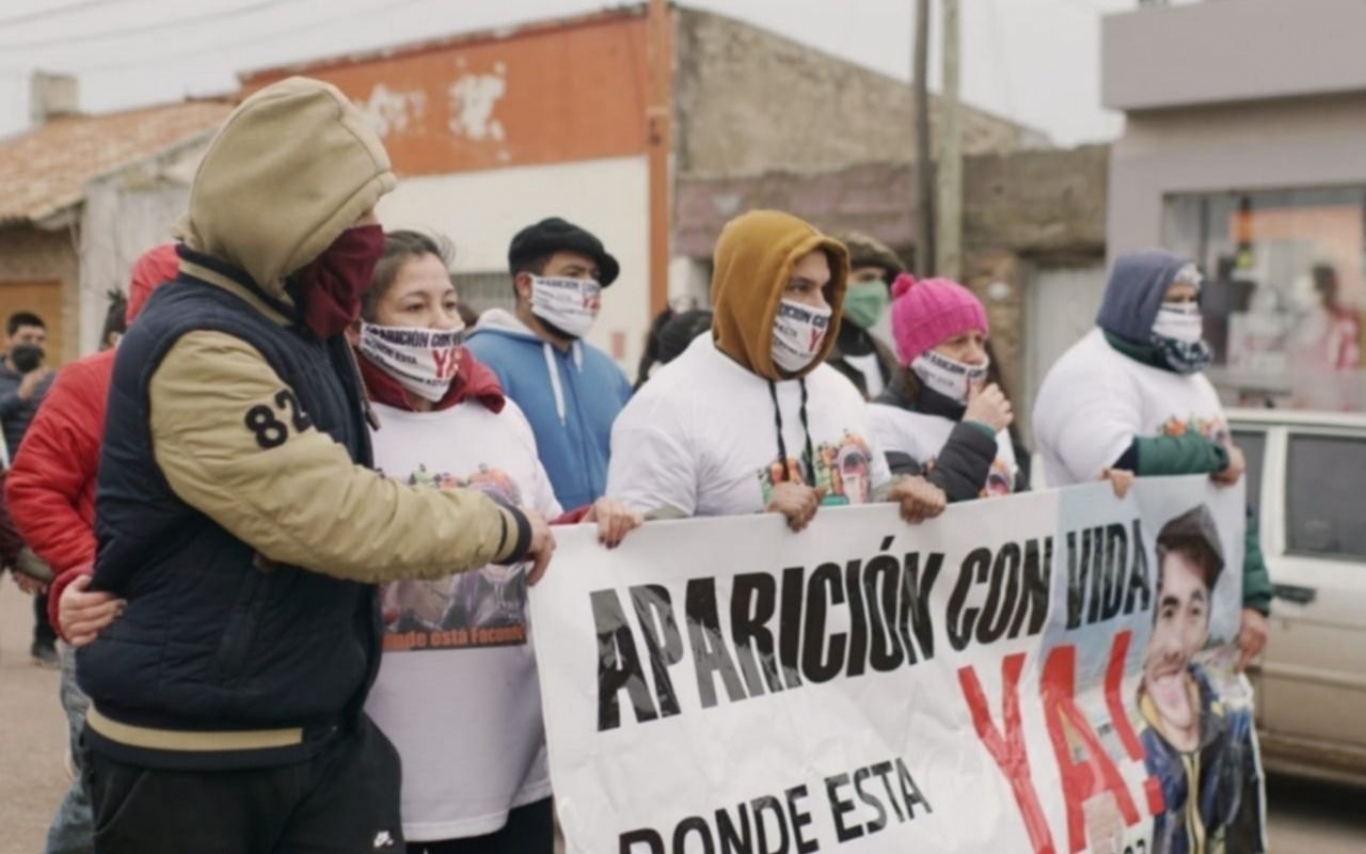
{"x":1000,"y":478}
{"x":844,"y":469}
{"x":1213,"y":429}
{"x":481,"y":608}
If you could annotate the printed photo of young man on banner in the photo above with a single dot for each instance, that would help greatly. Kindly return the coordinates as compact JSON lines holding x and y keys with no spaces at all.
{"x":1170,"y":621}
{"x":1051,"y":672}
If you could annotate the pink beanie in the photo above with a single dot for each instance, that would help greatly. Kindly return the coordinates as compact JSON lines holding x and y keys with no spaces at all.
{"x":929,"y":311}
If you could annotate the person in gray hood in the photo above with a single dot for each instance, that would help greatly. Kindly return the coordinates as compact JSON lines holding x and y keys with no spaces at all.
{"x":1130,"y":399}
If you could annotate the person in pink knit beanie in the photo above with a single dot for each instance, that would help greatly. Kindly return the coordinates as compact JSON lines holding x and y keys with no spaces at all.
{"x":941,"y":416}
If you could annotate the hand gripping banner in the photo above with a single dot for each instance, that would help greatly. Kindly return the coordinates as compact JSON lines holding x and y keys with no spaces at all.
{"x":1051,"y":672}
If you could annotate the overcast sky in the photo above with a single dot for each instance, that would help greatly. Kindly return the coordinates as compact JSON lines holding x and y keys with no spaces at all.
{"x":1036,"y":61}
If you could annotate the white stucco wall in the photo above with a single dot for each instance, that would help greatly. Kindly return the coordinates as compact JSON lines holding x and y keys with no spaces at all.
{"x":481,"y":211}
{"x":127,"y":212}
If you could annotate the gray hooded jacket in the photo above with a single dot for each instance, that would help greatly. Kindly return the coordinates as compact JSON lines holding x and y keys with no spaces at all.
{"x":1137,"y":286}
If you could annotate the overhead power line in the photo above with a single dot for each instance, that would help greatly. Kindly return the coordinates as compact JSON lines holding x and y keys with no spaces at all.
{"x":46,"y":14}
{"x":107,"y":35}
{"x":275,"y":35}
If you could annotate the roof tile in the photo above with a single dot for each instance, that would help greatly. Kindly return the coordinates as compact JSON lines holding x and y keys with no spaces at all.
{"x":45,"y":169}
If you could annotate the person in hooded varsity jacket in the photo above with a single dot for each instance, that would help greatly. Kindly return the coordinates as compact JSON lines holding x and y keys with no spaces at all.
{"x":239,"y":519}
{"x":1131,"y":398}
{"x":777,"y":293}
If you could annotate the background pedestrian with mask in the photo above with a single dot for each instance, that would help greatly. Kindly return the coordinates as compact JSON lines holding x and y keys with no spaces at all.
{"x":1130,"y":397}
{"x":51,"y":496}
{"x":940,"y":416}
{"x":858,"y":354}
{"x":24,"y":380}
{"x":570,"y":391}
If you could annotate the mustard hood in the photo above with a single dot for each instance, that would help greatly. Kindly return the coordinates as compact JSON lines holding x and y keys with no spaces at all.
{"x":293,"y":167}
{"x":754,"y":259}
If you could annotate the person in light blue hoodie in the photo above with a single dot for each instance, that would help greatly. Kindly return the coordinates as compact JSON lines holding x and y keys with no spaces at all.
{"x":570,"y":391}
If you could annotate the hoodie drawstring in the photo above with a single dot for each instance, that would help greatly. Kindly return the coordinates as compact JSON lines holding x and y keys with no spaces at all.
{"x":552,"y":365}
{"x":554,"y":369}
{"x":809,"y":469}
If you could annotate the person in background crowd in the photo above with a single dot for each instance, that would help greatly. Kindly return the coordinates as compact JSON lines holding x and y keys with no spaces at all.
{"x":670,"y":334}
{"x":51,"y":496}
{"x":24,"y":380}
{"x":115,"y":320}
{"x":1131,"y":397}
{"x":691,"y":444}
{"x":570,"y":390}
{"x":1198,"y":747}
{"x":857,"y":353}
{"x":940,"y":416}
{"x":1327,"y":335}
{"x":446,"y":423}
{"x":238,"y":519}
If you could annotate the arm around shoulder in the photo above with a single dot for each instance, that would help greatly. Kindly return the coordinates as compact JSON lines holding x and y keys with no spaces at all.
{"x":232,"y":441}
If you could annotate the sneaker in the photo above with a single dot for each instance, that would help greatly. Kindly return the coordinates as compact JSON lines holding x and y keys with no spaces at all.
{"x":45,"y":655}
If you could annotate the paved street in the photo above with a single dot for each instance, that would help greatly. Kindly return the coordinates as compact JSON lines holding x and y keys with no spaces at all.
{"x":1305,"y":817}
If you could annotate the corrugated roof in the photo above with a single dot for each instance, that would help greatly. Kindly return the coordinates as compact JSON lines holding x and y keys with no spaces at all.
{"x":44,"y":170}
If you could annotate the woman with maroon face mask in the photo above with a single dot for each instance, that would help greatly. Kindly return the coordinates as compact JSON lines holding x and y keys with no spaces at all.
{"x":458,"y":691}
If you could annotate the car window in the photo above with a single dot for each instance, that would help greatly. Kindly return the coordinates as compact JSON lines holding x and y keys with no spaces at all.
{"x":1324,"y":499}
{"x":1253,"y":445}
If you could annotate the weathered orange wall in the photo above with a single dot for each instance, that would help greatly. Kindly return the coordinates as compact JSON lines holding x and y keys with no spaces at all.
{"x":547,"y":94}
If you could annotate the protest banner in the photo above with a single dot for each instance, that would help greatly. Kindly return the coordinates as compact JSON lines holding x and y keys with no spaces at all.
{"x":1051,"y":672}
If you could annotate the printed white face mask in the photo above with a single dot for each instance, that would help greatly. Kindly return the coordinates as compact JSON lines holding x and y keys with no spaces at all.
{"x":954,"y":379}
{"x":798,"y":331}
{"x":1179,"y":321}
{"x":569,"y":305}
{"x":424,"y":361}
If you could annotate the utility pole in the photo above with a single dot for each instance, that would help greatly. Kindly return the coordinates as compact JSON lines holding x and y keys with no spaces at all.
{"x":924,"y":161}
{"x":948,"y":253}
{"x":659,"y":55}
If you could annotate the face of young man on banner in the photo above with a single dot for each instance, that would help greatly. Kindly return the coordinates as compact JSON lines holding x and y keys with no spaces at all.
{"x":1180,"y":630}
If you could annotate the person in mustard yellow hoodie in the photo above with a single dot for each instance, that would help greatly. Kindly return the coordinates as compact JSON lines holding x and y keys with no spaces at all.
{"x":240,"y":523}
{"x":750,"y":419}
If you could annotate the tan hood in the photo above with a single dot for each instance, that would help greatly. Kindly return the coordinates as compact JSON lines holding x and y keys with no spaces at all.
{"x":294,"y":166}
{"x":754,"y":260}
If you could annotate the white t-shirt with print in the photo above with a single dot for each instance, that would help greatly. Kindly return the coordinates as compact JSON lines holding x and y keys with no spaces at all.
{"x":1096,"y":401}
{"x":457,"y":691}
{"x":922,"y":437}
{"x":700,"y":438}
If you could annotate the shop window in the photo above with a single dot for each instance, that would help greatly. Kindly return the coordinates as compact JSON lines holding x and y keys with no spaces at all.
{"x":1285,"y":286}
{"x":1323,"y":503}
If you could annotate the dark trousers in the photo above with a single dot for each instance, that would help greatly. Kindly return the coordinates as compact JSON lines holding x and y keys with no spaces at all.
{"x":530,"y":830}
{"x":43,"y":632}
{"x":343,"y":801}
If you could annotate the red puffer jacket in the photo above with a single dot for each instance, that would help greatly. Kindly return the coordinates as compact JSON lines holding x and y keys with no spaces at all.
{"x":50,"y":490}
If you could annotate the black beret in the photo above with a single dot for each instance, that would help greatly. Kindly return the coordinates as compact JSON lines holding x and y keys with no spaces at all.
{"x":555,"y":235}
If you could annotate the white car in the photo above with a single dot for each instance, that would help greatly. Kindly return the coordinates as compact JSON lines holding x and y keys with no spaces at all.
{"x":1307,"y":477}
